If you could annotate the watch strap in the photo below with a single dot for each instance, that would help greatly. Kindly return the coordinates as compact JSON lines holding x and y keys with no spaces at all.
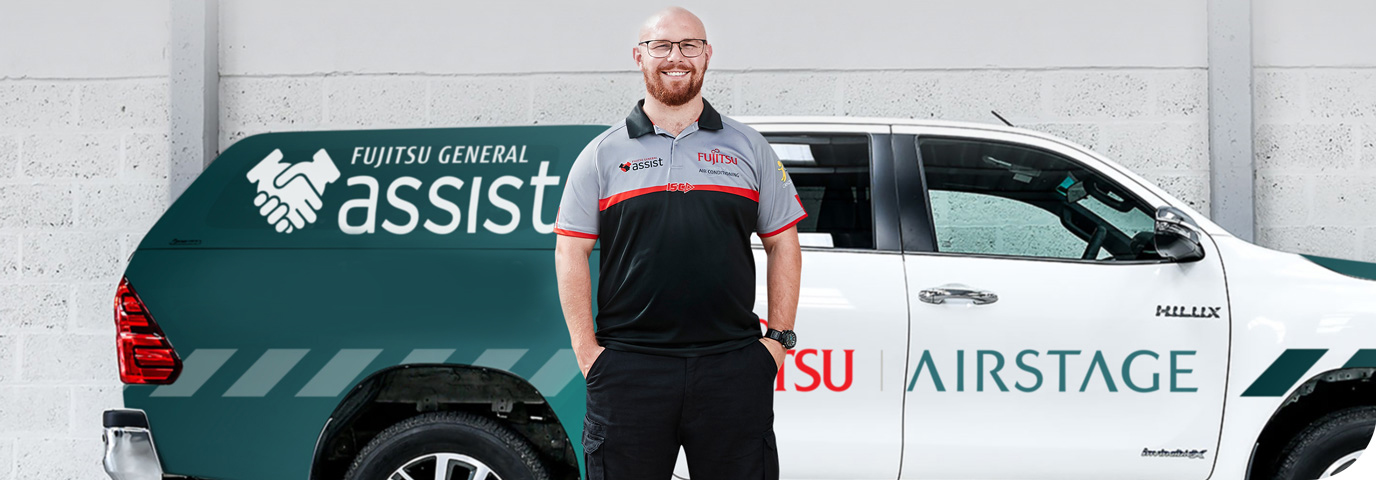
{"x":782,"y":337}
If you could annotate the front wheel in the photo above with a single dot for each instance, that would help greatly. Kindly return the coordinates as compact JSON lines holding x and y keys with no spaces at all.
{"x":449,"y":446}
{"x":1328,"y":446}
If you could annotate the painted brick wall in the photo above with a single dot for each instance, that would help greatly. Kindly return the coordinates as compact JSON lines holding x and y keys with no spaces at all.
{"x":83,"y":174}
{"x":1316,"y":160}
{"x":1315,"y":142}
{"x":84,"y":129}
{"x":1152,"y":120}
{"x":83,"y":177}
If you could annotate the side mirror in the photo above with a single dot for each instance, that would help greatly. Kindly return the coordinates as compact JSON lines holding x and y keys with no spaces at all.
{"x":1177,"y":236}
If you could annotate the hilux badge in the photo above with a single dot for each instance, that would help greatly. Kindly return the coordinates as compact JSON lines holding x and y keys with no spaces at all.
{"x":1187,"y":312}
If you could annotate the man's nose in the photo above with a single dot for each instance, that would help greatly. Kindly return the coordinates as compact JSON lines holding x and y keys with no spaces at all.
{"x":675,"y":53}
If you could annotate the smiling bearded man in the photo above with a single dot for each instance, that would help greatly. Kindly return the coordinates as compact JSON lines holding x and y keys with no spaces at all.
{"x":677,"y":357}
{"x":663,"y":80}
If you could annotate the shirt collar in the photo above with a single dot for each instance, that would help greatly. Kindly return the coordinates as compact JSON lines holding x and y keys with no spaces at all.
{"x":638,"y":124}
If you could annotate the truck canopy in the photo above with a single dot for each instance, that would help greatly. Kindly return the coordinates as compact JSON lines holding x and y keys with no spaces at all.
{"x":480,"y":187}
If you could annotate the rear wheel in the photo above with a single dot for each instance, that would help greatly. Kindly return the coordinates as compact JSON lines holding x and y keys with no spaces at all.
{"x":1329,"y":446}
{"x":449,"y":446}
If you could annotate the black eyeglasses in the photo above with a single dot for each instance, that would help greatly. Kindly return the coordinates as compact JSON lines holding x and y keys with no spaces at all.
{"x":691,"y":47}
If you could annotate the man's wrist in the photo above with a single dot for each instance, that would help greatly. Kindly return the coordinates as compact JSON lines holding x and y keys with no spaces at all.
{"x":586,"y":347}
{"x":786,"y":338}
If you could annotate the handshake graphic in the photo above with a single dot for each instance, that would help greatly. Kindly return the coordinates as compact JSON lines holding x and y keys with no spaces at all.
{"x":289,"y":194}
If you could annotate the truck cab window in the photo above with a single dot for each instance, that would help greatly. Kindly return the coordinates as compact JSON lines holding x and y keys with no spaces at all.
{"x":832,"y":176}
{"x":996,"y":198}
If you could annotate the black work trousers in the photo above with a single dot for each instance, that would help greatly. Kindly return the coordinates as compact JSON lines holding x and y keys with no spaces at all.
{"x":719,"y":408}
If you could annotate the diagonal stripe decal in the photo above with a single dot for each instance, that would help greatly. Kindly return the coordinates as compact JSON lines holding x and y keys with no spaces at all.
{"x":196,"y":369}
{"x":557,"y":373}
{"x":1365,"y":358}
{"x":427,"y":355}
{"x":1284,"y":372}
{"x":266,"y":372}
{"x":339,"y":373}
{"x":500,"y":358}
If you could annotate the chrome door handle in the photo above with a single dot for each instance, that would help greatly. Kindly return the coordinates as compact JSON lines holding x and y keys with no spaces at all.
{"x":938,"y":295}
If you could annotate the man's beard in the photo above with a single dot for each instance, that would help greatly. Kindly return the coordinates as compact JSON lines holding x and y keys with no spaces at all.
{"x":654,"y":83}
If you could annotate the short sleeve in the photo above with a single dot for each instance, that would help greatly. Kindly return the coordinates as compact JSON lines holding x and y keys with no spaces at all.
{"x":780,"y":207}
{"x":578,"y":210}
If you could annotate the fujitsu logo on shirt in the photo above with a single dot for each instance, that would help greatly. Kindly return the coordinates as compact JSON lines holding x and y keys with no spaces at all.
{"x":715,"y":157}
{"x":642,"y":164}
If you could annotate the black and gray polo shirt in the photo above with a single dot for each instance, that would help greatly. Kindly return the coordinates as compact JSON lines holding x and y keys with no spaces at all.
{"x":674,"y":216}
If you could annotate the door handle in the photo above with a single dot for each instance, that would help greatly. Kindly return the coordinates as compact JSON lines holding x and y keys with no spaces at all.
{"x":939,"y":295}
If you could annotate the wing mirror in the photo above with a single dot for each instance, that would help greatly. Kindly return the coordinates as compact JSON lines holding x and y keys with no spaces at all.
{"x":1177,"y":236}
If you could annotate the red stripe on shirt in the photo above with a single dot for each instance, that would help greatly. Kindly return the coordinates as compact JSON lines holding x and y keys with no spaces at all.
{"x":606,"y":203}
{"x":572,"y":233}
{"x":786,"y":227}
{"x":753,"y":195}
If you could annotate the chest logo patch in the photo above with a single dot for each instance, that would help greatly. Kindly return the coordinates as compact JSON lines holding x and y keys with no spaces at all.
{"x":684,"y":187}
{"x":716,"y":157}
{"x":642,"y":164}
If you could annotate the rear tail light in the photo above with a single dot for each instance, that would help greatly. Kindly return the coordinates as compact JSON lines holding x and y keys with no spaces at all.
{"x":145,"y":355}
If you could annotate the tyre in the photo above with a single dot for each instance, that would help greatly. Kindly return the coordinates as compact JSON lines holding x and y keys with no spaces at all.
{"x":459,"y":444}
{"x":1328,"y":446}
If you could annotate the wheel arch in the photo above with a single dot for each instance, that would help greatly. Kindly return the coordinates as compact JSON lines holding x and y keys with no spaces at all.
{"x":393,"y":394}
{"x":1320,"y":395}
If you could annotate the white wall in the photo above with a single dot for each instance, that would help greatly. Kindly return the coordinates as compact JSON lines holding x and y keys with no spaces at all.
{"x":1316,"y":126}
{"x":83,"y":174}
{"x":1320,"y":33}
{"x":83,"y":39}
{"x":1123,"y":77}
{"x":84,"y":121}
{"x":267,"y":37}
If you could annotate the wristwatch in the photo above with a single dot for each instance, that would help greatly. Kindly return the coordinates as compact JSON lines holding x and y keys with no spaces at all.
{"x":785,"y":337}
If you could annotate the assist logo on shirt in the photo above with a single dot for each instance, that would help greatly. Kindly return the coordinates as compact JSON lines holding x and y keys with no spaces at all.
{"x":642,"y":164}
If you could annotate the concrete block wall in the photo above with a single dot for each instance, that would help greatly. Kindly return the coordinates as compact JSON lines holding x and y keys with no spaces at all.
{"x":84,"y":157}
{"x":1139,"y":99}
{"x":83,"y":174}
{"x":1316,"y":161}
{"x":1154,"y":121}
{"x":87,"y":178}
{"x":1315,"y":142}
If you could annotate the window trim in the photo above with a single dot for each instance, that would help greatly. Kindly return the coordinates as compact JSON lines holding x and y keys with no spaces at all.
{"x":920,"y":211}
{"x":884,"y":207}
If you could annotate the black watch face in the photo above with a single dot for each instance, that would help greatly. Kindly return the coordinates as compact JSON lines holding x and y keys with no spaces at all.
{"x":790,"y":339}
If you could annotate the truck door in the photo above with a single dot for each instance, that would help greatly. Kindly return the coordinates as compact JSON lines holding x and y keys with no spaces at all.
{"x":1048,"y":338}
{"x":838,"y":399}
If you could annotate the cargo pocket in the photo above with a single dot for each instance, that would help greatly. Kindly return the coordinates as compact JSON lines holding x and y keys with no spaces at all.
{"x":593,"y":436}
{"x":771,"y":456}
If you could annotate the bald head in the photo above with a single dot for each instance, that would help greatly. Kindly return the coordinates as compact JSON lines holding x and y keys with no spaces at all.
{"x":673,"y":78}
{"x":672,"y":19}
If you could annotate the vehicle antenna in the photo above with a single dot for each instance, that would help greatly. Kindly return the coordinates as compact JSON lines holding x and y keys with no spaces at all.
{"x":1005,"y":121}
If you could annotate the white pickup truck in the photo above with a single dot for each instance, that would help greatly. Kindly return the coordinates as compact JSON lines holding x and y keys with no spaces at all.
{"x":977,"y":302}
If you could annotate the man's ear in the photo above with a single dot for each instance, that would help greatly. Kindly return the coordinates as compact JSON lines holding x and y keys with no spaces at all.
{"x":635,"y":55}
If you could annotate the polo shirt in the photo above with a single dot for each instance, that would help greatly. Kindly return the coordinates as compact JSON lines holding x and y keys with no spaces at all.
{"x":674,"y":217}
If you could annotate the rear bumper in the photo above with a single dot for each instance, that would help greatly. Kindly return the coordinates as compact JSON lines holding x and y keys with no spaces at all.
{"x":129,"y":450}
